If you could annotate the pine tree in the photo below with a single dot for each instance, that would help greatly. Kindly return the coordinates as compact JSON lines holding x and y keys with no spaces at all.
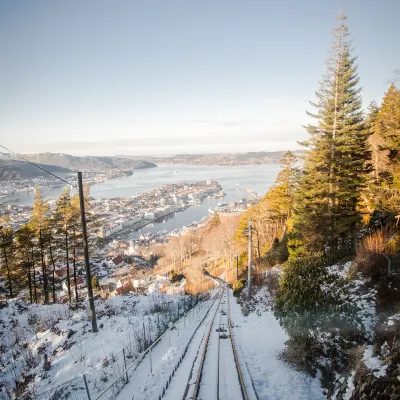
{"x":39,"y":222}
{"x":270,"y":216}
{"x":62,"y":216}
{"x":215,"y":220}
{"x":76,"y":236}
{"x":24,"y":242}
{"x":337,"y":161}
{"x":375,"y":140}
{"x":386,"y":133}
{"x":389,"y":123}
{"x":6,"y":250}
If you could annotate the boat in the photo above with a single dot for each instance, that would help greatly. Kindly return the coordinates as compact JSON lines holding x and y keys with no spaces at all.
{"x":176,"y":171}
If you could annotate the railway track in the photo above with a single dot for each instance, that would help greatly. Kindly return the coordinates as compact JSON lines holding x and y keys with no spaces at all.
{"x":211,"y":365}
{"x":216,"y":372}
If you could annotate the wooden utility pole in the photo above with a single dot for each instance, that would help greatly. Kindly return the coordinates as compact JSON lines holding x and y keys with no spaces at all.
{"x":249,"y":261}
{"x":237,"y":266}
{"x":86,"y":250}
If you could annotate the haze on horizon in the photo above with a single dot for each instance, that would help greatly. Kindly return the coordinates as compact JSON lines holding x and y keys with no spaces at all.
{"x":160,"y":78}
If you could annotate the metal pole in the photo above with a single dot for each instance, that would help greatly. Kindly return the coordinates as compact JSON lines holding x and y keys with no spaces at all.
{"x":389,"y":263}
{"x":86,"y":386}
{"x":86,"y":250}
{"x":249,"y":262}
{"x":127,"y":379}
{"x":144,"y":337}
{"x":151,"y":363}
{"x":237,"y":266}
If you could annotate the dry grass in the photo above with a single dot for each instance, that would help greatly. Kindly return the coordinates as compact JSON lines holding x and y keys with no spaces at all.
{"x":370,"y":257}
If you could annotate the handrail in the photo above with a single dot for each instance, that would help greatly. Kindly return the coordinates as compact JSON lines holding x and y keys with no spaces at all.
{"x":141,"y":356}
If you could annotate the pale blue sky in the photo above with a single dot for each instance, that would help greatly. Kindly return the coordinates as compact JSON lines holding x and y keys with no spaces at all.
{"x":168,"y":76}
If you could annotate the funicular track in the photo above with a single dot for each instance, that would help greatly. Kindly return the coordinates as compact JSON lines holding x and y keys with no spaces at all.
{"x":211,"y":363}
{"x":218,"y":375}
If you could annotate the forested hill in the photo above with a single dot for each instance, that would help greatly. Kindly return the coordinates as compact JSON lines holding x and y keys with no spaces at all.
{"x":83,"y":163}
{"x":250,"y":158}
{"x":12,"y":169}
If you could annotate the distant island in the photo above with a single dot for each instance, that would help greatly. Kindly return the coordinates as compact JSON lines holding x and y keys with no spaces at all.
{"x":13,"y":167}
{"x":227,"y":159}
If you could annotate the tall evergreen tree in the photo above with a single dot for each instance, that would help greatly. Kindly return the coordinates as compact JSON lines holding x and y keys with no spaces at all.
{"x":6,"y":250}
{"x":39,"y":222}
{"x":62,"y":215}
{"x":272,"y":213}
{"x":24,"y":243}
{"x":337,"y":161}
{"x":389,"y":123}
{"x":386,"y":133}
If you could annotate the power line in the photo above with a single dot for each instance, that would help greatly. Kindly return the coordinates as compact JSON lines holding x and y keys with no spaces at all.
{"x":45,"y":170}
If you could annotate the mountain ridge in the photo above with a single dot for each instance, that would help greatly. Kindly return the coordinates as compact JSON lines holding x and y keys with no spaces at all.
{"x":82,"y":163}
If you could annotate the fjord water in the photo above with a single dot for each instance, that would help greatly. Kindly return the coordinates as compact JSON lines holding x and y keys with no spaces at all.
{"x":234,"y":180}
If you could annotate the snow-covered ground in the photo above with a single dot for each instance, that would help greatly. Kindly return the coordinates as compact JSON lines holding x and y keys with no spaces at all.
{"x":260,"y":340}
{"x":46,"y":346}
{"x":148,"y":379}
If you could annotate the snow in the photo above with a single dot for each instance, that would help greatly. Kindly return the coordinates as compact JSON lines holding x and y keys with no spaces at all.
{"x":374,"y":363}
{"x":357,"y":293}
{"x":393,"y":318}
{"x":64,"y":334}
{"x":147,"y":384}
{"x":350,"y":386}
{"x":260,"y":340}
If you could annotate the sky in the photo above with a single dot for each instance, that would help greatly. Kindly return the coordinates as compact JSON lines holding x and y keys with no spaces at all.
{"x":159,"y":77}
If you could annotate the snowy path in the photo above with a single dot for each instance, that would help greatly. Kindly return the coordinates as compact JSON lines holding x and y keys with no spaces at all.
{"x":260,"y":339}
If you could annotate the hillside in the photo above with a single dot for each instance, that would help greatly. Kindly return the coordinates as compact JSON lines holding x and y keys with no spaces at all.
{"x":251,"y":158}
{"x":14,"y":170}
{"x":83,"y":163}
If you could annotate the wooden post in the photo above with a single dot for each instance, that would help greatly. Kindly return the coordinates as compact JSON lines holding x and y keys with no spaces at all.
{"x":86,"y":252}
{"x":86,"y":386}
{"x":127,"y":379}
{"x":249,"y":261}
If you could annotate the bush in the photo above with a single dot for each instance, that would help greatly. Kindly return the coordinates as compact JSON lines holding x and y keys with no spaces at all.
{"x":175,"y":277}
{"x":370,"y":257}
{"x":278,"y":253}
{"x":312,"y":306}
{"x":238,"y":287}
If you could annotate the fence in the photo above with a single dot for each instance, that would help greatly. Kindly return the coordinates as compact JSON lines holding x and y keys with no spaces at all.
{"x":107,"y":380}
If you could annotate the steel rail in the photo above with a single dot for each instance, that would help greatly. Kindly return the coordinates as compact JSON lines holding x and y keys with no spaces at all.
{"x":235,"y":355}
{"x":203,"y":356}
{"x":141,"y":357}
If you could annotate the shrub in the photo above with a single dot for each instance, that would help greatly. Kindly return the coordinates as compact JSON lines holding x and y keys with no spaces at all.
{"x":370,"y":257}
{"x":313,"y":307}
{"x":175,"y":277}
{"x":238,"y":287}
{"x":278,"y":253}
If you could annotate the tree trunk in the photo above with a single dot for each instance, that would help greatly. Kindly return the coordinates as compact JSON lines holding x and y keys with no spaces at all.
{"x":8,"y":271}
{"x":74,"y":264}
{"x":54,"y":272}
{"x":34,"y":275}
{"x":30,"y":281}
{"x":44,"y":272}
{"x":66,"y":252}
